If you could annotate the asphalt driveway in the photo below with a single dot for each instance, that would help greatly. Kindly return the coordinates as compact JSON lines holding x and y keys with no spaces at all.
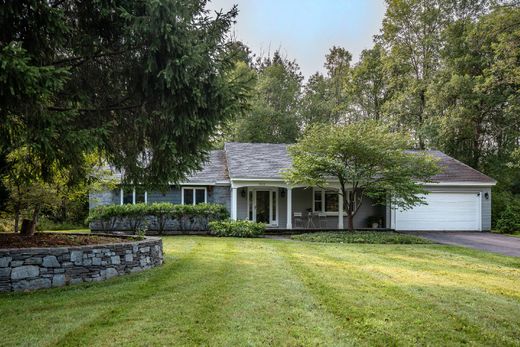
{"x":502,"y":244}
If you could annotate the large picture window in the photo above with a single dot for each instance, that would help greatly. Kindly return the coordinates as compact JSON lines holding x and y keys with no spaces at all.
{"x":325,"y":201}
{"x":194,"y":195}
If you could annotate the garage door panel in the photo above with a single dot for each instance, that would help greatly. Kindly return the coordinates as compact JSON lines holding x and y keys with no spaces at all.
{"x":445,"y":211}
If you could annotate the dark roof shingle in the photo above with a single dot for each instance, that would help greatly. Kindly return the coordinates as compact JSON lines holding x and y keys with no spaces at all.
{"x":257,"y":160}
{"x":269,"y":160}
{"x":214,"y":170}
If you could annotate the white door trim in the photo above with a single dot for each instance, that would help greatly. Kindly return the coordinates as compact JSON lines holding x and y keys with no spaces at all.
{"x":273,"y":222}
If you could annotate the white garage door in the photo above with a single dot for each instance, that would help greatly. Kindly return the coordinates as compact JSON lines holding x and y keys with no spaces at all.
{"x":445,"y":211}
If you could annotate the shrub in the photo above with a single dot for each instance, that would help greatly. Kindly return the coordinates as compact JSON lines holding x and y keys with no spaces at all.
{"x":509,"y":220}
{"x":136,"y":215}
{"x":371,"y":237}
{"x":238,"y":228}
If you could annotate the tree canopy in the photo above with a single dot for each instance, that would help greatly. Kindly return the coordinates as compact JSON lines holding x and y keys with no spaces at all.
{"x":143,"y":83}
{"x":365,"y":159}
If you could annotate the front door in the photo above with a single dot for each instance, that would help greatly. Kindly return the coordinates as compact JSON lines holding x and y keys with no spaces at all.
{"x":263,"y":207}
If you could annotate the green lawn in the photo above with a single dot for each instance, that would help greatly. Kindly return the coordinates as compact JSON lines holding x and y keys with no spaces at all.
{"x":236,"y":292}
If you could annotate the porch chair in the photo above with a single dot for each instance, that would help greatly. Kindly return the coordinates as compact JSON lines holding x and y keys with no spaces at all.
{"x":322,"y":220}
{"x":298,"y":219}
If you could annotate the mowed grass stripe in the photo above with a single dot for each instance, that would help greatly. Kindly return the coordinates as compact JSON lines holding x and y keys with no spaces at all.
{"x":378,"y":306}
{"x":271,"y":306}
{"x":472,"y":311}
{"x":184,"y":307}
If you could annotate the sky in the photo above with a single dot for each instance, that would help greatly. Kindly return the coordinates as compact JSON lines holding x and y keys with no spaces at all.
{"x":305,"y":30}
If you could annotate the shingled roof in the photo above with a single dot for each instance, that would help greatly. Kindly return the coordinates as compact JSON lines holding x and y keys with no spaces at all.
{"x":269,"y":160}
{"x":214,"y":171}
{"x":257,"y":160}
{"x":456,"y":171}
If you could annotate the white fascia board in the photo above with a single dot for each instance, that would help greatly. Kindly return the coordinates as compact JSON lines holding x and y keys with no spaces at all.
{"x":464,"y":184}
{"x":266,"y":182}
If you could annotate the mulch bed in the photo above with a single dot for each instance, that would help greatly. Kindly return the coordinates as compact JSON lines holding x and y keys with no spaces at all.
{"x":10,"y":240}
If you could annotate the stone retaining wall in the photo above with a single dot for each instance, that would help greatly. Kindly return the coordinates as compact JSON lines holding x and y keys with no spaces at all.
{"x":34,"y":268}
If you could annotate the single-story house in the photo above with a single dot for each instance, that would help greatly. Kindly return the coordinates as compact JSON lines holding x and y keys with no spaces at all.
{"x":247,"y":179}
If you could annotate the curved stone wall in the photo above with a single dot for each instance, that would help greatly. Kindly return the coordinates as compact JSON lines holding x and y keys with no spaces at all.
{"x":35,"y":268}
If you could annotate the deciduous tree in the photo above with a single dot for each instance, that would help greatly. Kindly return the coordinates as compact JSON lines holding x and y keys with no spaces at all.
{"x":365,"y":159}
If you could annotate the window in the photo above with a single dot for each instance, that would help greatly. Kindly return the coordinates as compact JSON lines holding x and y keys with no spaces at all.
{"x":140,"y":196}
{"x":127,"y":196}
{"x":326,"y":201}
{"x":331,"y":201}
{"x":130,"y":195}
{"x":318,"y":205}
{"x":193,"y":196}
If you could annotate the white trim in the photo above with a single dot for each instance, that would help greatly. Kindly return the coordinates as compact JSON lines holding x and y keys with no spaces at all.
{"x":334,"y":183}
{"x":234,"y":203}
{"x":329,"y":189}
{"x":272,"y":222}
{"x":470,"y":184}
{"x":340,"y":210}
{"x":194,"y":194}
{"x":289,"y":208}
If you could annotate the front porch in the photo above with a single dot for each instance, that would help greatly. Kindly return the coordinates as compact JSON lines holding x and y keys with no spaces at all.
{"x":283,"y":207}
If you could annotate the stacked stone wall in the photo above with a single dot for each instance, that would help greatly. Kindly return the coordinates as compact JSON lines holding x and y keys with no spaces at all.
{"x":35,"y":268}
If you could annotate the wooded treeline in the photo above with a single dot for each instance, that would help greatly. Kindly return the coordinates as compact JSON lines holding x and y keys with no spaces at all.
{"x":446,"y":71}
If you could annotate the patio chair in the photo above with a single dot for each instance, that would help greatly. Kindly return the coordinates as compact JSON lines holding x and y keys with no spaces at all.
{"x":322,"y":220}
{"x":298,"y":219}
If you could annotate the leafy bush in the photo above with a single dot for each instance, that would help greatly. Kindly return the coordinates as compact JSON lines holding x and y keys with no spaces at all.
{"x":6,"y":223}
{"x":509,"y":220}
{"x":136,"y":215}
{"x":373,"y":237}
{"x":238,"y":228}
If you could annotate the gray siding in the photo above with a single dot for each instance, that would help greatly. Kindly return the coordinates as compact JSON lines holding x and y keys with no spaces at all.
{"x":216,"y":194}
{"x":220,"y":195}
{"x":100,"y":198}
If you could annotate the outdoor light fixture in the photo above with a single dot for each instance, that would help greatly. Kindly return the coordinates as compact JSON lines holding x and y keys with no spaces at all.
{"x":486,"y":195}
{"x":282,"y":193}
{"x":243,"y":193}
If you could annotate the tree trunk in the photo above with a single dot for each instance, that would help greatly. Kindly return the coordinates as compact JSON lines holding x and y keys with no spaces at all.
{"x":350,"y":221}
{"x":27,"y":227}
{"x":16,"y":219}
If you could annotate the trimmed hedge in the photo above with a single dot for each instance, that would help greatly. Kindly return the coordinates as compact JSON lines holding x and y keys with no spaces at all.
{"x":238,"y":228}
{"x":137,"y":215}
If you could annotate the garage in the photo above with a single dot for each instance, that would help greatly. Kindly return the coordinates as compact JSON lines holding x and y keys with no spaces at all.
{"x":444,"y":211}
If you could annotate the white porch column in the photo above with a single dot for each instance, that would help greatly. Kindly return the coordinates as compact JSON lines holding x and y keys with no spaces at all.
{"x":340,"y":210}
{"x":289,"y":208}
{"x":234,"y":203}
{"x":133,"y":196}
{"x":121,"y":198}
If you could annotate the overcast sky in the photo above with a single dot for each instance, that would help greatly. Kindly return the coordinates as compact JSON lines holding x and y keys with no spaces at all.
{"x":305,"y":29}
